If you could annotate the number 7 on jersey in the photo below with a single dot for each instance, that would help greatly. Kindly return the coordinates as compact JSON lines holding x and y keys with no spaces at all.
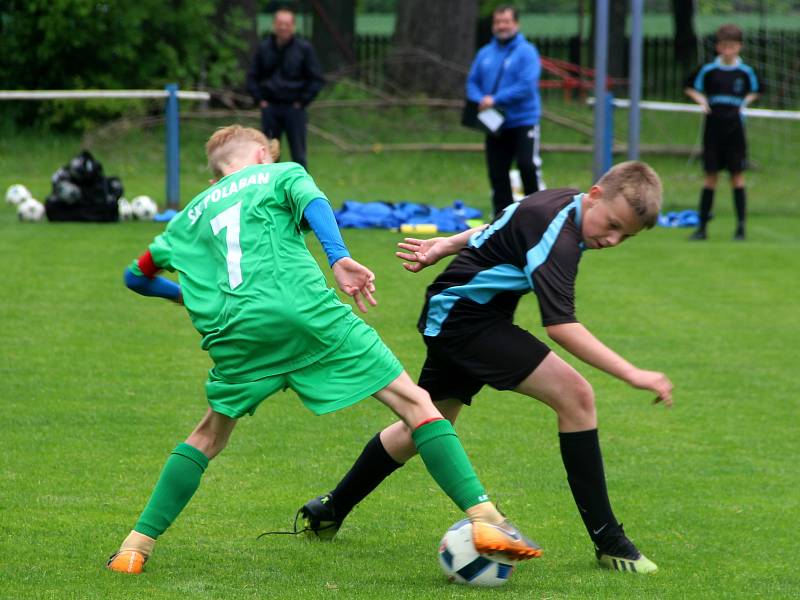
{"x":229,"y":218}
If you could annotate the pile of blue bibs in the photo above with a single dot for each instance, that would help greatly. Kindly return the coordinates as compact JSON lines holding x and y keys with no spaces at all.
{"x":391,"y":215}
{"x":683,"y":218}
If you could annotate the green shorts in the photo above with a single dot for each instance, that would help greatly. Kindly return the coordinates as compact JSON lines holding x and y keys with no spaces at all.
{"x":360,"y":366}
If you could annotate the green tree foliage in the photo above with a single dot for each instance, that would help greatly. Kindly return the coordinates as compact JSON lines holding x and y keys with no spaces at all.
{"x":112,"y":44}
{"x":486,"y":6}
{"x":704,"y":7}
{"x":724,"y":7}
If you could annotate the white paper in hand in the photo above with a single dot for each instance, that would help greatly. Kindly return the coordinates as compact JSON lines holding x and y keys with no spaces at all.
{"x":491,"y":119}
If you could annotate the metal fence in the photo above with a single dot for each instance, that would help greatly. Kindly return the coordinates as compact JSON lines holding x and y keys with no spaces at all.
{"x":774,"y":54}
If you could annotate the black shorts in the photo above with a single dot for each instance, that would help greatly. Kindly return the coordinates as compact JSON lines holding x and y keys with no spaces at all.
{"x":501,"y":356}
{"x":724,"y":145}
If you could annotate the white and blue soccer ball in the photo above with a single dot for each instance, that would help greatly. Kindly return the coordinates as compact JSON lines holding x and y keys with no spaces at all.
{"x":124,"y":209}
{"x":144,"y":208}
{"x":17,"y":194}
{"x":30,"y":210}
{"x":462,"y":563}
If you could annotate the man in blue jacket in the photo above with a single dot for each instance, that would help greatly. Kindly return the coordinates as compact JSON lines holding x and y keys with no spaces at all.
{"x":505,"y":75}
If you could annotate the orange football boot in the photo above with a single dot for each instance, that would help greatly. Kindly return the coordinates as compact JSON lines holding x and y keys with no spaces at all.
{"x":503,"y":538}
{"x":127,"y":561}
{"x":132,"y":554}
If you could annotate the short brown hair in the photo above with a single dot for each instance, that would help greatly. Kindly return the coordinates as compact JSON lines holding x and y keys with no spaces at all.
{"x":729,"y":33}
{"x":507,"y":8}
{"x":224,"y":140}
{"x":639,"y":184}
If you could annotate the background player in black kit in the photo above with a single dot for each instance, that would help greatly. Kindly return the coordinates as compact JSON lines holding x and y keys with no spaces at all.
{"x":467,"y":325}
{"x":723,"y":88}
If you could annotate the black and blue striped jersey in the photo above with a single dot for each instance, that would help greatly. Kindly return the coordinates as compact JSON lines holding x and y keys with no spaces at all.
{"x":533,"y":245}
{"x":725,"y":86}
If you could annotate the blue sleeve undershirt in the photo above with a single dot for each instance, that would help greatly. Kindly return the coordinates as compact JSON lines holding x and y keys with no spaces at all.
{"x":158,"y":286}
{"x":320,"y":218}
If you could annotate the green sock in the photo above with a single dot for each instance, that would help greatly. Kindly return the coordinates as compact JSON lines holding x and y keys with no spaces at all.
{"x":178,"y":482}
{"x":446,"y":461}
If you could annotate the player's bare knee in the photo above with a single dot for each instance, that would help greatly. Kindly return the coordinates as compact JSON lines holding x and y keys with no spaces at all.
{"x":580,"y":404}
{"x":584,"y":394}
{"x":418,"y":398}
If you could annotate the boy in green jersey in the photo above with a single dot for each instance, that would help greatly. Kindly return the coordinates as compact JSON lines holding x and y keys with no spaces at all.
{"x":270,"y":322}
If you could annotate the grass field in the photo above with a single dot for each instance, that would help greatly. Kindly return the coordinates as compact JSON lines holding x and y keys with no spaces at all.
{"x":97,"y":385}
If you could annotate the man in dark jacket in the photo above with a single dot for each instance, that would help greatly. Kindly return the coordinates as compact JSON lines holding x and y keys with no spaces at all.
{"x":284,"y":77}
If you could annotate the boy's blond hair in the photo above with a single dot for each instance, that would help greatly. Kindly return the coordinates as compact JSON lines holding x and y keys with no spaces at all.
{"x":639,"y":184}
{"x":226,"y":140}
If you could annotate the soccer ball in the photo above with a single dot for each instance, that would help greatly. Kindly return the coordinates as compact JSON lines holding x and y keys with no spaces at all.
{"x":60,"y":175}
{"x":67,"y":191}
{"x":30,"y":210}
{"x":17,"y":194}
{"x":84,"y":168}
{"x":115,"y":188}
{"x":124,"y":209}
{"x":462,"y":563}
{"x":144,"y":208}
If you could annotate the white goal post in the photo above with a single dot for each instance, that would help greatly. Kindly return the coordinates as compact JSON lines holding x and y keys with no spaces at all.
{"x":787,"y":115}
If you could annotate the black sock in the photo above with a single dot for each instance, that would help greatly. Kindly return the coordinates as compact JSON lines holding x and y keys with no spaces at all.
{"x":740,"y":202}
{"x":370,"y":469}
{"x":580,"y":452}
{"x":706,"y":202}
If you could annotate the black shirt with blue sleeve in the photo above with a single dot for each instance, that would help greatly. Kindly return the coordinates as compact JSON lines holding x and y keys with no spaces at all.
{"x":725,"y":86}
{"x":533,"y":245}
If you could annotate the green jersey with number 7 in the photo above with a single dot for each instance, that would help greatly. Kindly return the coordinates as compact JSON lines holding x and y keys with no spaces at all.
{"x":251,"y":287}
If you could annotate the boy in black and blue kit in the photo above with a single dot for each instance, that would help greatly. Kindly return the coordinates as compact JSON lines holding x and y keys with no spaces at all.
{"x":723,"y":88}
{"x":468,"y":327}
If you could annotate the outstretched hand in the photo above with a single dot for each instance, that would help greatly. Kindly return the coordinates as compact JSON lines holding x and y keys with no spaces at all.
{"x":355,"y":280}
{"x":421,"y":253}
{"x":655,"y":382}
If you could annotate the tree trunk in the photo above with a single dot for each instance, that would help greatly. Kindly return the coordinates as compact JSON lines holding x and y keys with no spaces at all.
{"x":434,"y":44}
{"x":334,"y":32}
{"x":685,"y":36}
{"x":617,"y":42}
